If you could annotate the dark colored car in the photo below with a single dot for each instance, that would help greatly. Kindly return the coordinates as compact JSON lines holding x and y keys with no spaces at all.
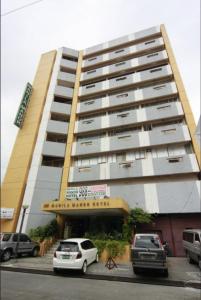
{"x":9,"y":242}
{"x":147,"y":252}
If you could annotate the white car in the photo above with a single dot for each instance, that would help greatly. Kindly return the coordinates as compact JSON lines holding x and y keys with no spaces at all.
{"x":75,"y":254}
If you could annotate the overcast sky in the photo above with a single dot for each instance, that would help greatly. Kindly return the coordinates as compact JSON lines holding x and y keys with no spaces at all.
{"x":78,"y":24}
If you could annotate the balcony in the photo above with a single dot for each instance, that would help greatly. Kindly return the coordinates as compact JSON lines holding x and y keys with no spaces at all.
{"x":64,"y":92}
{"x":131,"y":97}
{"x":123,"y":53}
{"x":125,"y":66}
{"x":66,"y":79}
{"x":68,"y":65}
{"x":130,"y":117}
{"x":148,"y":167}
{"x":132,"y":38}
{"x":135,"y":79}
{"x":57,"y":127}
{"x":61,"y":108}
{"x":54,"y":149}
{"x":159,"y":136}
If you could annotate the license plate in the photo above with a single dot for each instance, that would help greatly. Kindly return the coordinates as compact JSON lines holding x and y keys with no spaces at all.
{"x":148,"y":256}
{"x":65,"y":256}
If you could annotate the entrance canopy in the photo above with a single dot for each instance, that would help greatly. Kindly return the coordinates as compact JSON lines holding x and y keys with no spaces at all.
{"x":87,"y":207}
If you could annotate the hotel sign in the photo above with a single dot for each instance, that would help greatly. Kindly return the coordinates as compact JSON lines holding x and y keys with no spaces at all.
{"x":6,"y":213}
{"x":86,"y":192}
{"x":23,"y":106}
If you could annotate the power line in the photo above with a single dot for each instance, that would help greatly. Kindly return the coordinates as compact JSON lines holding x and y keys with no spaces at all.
{"x":19,"y":8}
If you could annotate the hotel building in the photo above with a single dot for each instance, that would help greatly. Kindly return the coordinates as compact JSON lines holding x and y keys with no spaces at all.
{"x":106,"y":129}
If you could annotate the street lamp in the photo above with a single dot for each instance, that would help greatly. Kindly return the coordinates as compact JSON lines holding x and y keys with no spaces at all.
{"x":25,"y":206}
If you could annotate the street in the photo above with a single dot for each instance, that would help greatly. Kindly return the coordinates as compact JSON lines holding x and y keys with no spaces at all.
{"x":32,"y":286}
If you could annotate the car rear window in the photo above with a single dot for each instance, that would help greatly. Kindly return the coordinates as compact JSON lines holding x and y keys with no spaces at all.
{"x":68,"y":247}
{"x":5,"y":237}
{"x":147,"y":242}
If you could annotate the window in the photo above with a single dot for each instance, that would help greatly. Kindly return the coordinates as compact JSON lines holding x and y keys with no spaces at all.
{"x":69,"y":58}
{"x":122,"y":95}
{"x":15,"y":237}
{"x":5,"y":237}
{"x":56,"y":137}
{"x":147,"y":127}
{"x":123,"y":115}
{"x":120,"y":64}
{"x":90,"y":86}
{"x":121,"y":157}
{"x":68,"y":247}
{"x":159,"y":87}
{"x":86,"y":143}
{"x":119,"y":51}
{"x":24,"y":238}
{"x":197,"y":237}
{"x":155,"y":70}
{"x":92,"y":71}
{"x":59,"y":117}
{"x":169,"y":131}
{"x":87,"y":121}
{"x":121,"y":78}
{"x":84,"y":169}
{"x":151,"y":55}
{"x":174,"y":159}
{"x":91,"y":59}
{"x":52,"y":161}
{"x":89,"y":102}
{"x":124,"y":137}
{"x":149,"y":42}
{"x":188,"y":236}
{"x":140,"y":154}
{"x":164,"y":107}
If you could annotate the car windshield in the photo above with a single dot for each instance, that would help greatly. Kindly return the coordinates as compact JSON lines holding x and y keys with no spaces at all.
{"x":68,"y":247}
{"x":4,"y":237}
{"x":147,"y":242}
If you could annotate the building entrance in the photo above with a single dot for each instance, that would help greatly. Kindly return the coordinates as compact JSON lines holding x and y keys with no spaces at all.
{"x":93,"y":226}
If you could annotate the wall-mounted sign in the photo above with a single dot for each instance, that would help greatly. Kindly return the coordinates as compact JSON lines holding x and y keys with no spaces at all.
{"x":87,"y":192}
{"x":6,"y":213}
{"x":23,"y":106}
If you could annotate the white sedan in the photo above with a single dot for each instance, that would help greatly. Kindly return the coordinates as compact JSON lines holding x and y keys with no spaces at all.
{"x":75,"y":254}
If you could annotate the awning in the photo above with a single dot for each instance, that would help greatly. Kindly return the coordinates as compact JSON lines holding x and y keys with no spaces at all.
{"x":106,"y":206}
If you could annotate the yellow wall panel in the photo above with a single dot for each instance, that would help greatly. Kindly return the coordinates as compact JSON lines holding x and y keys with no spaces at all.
{"x":16,"y":176}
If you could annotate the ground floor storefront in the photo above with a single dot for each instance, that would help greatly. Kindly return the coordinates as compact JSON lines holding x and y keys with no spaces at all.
{"x":170,"y":227}
{"x":107,"y":216}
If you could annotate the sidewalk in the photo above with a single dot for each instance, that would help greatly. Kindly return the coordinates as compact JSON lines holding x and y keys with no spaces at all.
{"x":181,"y":273}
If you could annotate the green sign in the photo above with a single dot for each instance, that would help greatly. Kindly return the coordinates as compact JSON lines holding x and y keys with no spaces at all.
{"x":23,"y":106}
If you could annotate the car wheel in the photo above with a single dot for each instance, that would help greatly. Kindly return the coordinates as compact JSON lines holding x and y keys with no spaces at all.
{"x":189,"y":258}
{"x":165,"y":273}
{"x":84,"y":267}
{"x":55,"y":270}
{"x":35,"y":252}
{"x":136,"y":271}
{"x":97,"y":258}
{"x":6,"y":255}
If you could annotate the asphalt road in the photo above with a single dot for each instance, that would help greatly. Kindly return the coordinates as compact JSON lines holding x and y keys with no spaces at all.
{"x":21,"y":286}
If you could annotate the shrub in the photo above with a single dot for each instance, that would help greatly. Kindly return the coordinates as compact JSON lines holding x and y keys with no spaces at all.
{"x":100,"y":245}
{"x":42,"y":232}
{"x":115,"y":248}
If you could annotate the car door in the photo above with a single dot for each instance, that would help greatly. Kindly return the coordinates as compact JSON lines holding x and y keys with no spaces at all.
{"x":93,"y":251}
{"x":25,"y":243}
{"x":14,"y":243}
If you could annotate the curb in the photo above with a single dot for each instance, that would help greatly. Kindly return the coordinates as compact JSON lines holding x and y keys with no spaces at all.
{"x":176,"y":283}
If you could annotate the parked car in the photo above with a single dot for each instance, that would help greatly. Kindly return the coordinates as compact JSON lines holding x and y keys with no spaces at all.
{"x":75,"y":254}
{"x":9,"y":242}
{"x":147,"y":252}
{"x":192,"y":245}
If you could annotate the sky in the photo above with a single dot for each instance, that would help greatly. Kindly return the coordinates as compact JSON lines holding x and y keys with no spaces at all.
{"x":78,"y":24}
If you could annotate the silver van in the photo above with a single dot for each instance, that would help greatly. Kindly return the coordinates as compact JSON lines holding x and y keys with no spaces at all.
{"x":192,"y":245}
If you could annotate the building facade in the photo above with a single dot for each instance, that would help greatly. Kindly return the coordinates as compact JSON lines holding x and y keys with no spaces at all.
{"x":115,"y":119}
